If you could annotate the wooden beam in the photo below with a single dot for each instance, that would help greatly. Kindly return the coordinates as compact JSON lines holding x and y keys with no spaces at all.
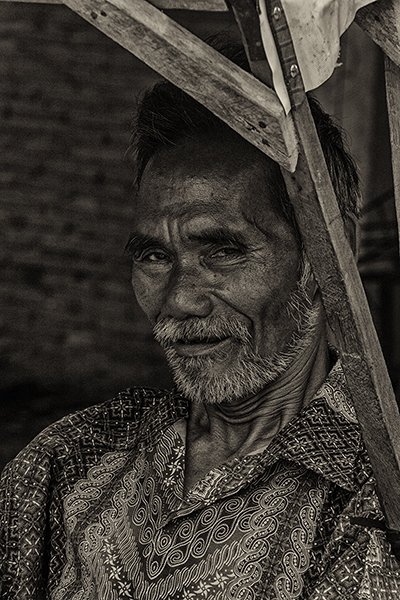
{"x":322,"y":231}
{"x":249,"y":26}
{"x":35,"y":1}
{"x":392,"y":77}
{"x":205,"y":5}
{"x":380,"y":20}
{"x":197,"y":5}
{"x":236,"y":97}
{"x":334,"y":267}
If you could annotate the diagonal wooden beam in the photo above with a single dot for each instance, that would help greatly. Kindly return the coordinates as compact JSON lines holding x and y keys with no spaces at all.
{"x":380,"y":21}
{"x":196,"y":5}
{"x":346,"y":306}
{"x":206,"y":5}
{"x":236,"y":97}
{"x":35,"y":1}
{"x":392,"y":78}
{"x":322,"y":232}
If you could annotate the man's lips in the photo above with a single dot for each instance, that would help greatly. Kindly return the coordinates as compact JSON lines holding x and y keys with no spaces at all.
{"x":200,"y":347}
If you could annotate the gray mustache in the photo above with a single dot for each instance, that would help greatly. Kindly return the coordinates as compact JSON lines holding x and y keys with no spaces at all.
{"x":168,"y":330}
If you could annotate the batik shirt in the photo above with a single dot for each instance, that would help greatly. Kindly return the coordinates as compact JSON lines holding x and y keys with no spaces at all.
{"x":95,"y":509}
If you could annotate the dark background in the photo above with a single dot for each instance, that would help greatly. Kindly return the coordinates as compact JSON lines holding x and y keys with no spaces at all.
{"x":71,"y":333}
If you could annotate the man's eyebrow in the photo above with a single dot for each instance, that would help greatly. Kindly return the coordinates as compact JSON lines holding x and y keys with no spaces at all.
{"x":140,"y":241}
{"x":218,"y":235}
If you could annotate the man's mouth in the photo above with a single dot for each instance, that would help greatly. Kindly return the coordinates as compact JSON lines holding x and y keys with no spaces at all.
{"x":200,"y":346}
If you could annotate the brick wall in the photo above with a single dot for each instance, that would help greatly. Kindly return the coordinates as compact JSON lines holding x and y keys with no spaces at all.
{"x":68,"y":316}
{"x":71,"y":332}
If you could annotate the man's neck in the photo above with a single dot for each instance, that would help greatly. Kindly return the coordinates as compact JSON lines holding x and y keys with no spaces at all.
{"x":217,"y":432}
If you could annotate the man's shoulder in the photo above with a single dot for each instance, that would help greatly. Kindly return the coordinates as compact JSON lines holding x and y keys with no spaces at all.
{"x":359,"y":546}
{"x":131,"y":417}
{"x":122,"y":417}
{"x":34,"y":486}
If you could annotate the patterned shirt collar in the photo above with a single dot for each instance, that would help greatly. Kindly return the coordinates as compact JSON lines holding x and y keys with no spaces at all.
{"x":325,"y":438}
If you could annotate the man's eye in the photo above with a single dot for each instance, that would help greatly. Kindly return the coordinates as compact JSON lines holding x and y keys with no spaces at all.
{"x":227,"y":252}
{"x":152,"y":256}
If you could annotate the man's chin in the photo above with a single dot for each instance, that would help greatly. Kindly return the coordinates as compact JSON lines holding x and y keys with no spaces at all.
{"x":213,"y":379}
{"x":226,"y":376}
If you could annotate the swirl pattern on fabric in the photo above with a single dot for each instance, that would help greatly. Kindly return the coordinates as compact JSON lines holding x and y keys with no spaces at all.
{"x":132,"y":548}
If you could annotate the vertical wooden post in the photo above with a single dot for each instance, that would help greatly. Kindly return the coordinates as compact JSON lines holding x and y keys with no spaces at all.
{"x":392,"y":77}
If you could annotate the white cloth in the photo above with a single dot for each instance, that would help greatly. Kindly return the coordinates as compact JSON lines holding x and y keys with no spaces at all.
{"x":315,"y":27}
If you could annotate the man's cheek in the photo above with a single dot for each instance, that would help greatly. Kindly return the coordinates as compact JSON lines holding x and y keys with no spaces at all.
{"x":147,"y":298}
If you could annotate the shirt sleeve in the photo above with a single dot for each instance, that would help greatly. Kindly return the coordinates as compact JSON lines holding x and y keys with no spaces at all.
{"x":358,"y":562}
{"x":24,"y":499}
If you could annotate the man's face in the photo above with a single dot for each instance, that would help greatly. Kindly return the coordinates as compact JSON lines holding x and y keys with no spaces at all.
{"x":215,"y":264}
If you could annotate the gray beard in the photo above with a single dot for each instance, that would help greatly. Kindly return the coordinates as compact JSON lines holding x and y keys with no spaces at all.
{"x":238,"y":372}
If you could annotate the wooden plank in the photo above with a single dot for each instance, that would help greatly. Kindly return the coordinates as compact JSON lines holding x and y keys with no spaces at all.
{"x":197,"y":5}
{"x":380,"y":20}
{"x":249,"y":26}
{"x":35,"y":1}
{"x":322,"y":230}
{"x":392,"y":77}
{"x":236,"y":97}
{"x":321,"y":226}
{"x":323,"y":235}
{"x":205,"y":5}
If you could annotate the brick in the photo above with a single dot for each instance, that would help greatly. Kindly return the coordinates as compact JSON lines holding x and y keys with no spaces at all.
{"x":68,"y":315}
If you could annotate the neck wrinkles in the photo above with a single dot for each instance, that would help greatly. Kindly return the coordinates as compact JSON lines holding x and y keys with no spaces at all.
{"x":278,"y":402}
{"x":224,"y":431}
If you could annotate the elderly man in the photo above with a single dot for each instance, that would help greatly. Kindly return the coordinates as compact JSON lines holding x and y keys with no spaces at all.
{"x":249,"y":480}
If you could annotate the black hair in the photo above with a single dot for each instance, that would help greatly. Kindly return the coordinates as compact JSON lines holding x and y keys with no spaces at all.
{"x":166,"y":115}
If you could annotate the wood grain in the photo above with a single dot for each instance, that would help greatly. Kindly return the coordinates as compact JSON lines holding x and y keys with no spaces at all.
{"x":206,"y":5}
{"x":35,"y":1}
{"x":198,"y":5}
{"x":392,"y":77}
{"x":380,"y":20}
{"x":247,"y":19}
{"x":347,"y":310}
{"x":236,"y":97}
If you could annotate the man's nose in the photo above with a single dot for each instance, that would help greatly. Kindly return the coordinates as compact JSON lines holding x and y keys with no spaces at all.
{"x":187,"y":297}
